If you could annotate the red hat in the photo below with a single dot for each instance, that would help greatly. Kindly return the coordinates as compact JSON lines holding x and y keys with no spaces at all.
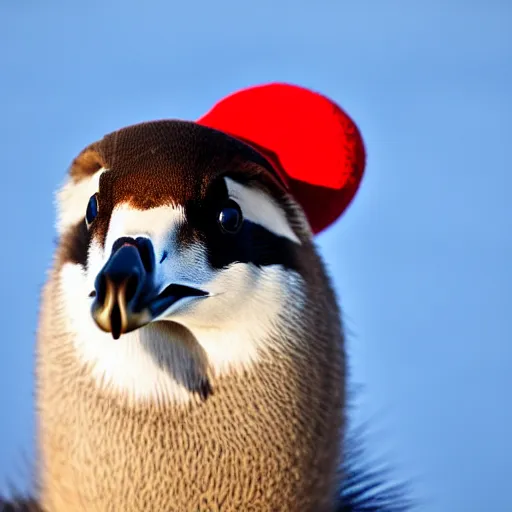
{"x":313,"y":144}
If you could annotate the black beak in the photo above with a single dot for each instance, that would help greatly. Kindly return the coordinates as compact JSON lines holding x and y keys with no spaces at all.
{"x":126,"y":298}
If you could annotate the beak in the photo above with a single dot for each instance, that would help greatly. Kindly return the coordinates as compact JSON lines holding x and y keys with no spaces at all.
{"x":126,"y":298}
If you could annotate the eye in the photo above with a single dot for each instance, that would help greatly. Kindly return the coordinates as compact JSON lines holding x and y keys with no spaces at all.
{"x":230,"y":218}
{"x":92,"y":210}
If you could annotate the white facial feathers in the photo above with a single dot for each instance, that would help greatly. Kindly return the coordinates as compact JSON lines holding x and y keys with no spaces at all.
{"x":261,"y":209}
{"x":247,"y":308}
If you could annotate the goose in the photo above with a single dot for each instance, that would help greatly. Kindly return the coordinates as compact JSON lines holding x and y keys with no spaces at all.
{"x":190,"y":349}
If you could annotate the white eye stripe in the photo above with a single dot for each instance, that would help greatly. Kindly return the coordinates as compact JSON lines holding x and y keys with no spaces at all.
{"x":72,"y":199}
{"x":261,"y":209}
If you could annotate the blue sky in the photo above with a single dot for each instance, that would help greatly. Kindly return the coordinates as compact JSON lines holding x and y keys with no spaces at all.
{"x":421,"y":261}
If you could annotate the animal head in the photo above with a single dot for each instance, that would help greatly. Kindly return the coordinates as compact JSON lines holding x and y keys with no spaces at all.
{"x":187,"y":243}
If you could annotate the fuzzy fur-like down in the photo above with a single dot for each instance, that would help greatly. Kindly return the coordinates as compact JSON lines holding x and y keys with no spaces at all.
{"x":361,"y":490}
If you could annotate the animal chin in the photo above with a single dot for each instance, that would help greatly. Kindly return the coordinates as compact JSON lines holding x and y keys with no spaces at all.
{"x":125,"y":297}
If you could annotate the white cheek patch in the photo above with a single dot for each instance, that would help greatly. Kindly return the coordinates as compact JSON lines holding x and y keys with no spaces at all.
{"x":249,"y":309}
{"x":261,"y":209}
{"x":72,"y":199}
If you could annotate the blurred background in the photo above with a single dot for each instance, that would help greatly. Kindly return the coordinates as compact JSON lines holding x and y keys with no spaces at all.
{"x":421,"y":260}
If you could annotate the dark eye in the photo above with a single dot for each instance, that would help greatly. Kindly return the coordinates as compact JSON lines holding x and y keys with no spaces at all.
{"x":92,"y":210}
{"x":230,"y":218}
